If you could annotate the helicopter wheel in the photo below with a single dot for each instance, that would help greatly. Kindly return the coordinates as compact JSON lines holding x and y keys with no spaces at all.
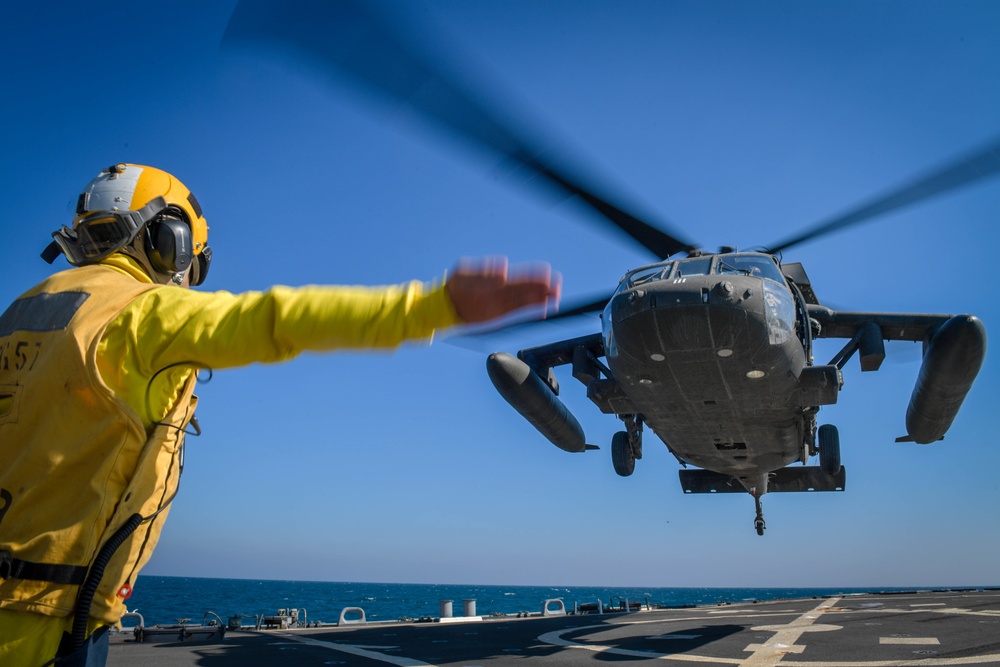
{"x":622,"y":455}
{"x":829,"y":449}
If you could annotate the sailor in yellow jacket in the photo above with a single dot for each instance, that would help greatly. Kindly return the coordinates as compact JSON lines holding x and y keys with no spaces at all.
{"x":97,"y":371}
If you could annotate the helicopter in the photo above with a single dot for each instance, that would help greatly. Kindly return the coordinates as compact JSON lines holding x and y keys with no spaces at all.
{"x":711,"y":351}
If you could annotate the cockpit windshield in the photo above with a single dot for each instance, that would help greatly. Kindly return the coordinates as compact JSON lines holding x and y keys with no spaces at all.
{"x":759,"y":266}
{"x":699,"y":266}
{"x":753,"y":264}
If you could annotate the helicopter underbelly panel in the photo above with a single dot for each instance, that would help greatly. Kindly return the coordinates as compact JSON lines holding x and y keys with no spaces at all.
{"x":713,"y":376}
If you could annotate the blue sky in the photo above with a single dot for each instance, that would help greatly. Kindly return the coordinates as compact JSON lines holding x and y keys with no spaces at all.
{"x":738,"y":122}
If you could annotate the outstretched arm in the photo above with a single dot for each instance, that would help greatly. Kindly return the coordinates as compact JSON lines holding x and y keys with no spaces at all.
{"x":483,"y":290}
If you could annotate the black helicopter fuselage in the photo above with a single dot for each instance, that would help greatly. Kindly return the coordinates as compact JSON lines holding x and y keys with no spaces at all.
{"x":711,"y":352}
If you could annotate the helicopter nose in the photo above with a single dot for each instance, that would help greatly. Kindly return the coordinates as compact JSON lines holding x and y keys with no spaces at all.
{"x":660,"y":295}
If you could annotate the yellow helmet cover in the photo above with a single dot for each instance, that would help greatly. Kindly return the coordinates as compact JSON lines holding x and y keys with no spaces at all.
{"x":130,"y":187}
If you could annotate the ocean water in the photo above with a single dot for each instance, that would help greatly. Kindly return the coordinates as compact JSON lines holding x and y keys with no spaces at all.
{"x":166,"y":600}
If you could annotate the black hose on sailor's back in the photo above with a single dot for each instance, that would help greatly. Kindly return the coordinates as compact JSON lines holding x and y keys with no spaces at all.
{"x":86,"y":595}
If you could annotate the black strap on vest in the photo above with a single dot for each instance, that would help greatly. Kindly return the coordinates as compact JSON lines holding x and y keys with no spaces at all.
{"x":15,"y":568}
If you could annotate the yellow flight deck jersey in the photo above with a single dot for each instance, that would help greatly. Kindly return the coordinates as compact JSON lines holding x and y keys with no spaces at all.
{"x":97,"y":372}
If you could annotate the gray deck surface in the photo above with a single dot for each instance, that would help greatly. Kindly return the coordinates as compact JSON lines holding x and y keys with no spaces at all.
{"x":876,"y":630}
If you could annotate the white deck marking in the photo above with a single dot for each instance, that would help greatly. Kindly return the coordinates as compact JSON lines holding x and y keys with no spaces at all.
{"x":556,"y":639}
{"x":911,"y":641}
{"x":783,"y":642}
{"x":362,"y":652}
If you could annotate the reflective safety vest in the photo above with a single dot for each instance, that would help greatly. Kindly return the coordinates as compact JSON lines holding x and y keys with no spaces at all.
{"x":75,"y":459}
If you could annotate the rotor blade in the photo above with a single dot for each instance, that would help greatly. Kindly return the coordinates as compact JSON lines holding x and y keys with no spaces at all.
{"x":344,"y":35}
{"x":582,"y":308}
{"x":973,"y":167}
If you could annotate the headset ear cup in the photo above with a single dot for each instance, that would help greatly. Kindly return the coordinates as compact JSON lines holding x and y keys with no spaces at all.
{"x":168,"y":246}
{"x":199,"y":267}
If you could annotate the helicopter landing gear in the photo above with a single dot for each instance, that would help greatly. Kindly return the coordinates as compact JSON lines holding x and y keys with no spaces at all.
{"x":829,"y":449}
{"x":622,"y":455}
{"x":626,"y":446}
{"x":758,"y":523}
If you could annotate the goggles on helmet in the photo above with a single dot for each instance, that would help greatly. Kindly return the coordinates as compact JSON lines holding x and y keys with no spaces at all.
{"x":101,"y":233}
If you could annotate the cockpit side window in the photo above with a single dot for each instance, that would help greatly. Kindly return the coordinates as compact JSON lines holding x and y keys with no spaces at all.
{"x":645,"y":275}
